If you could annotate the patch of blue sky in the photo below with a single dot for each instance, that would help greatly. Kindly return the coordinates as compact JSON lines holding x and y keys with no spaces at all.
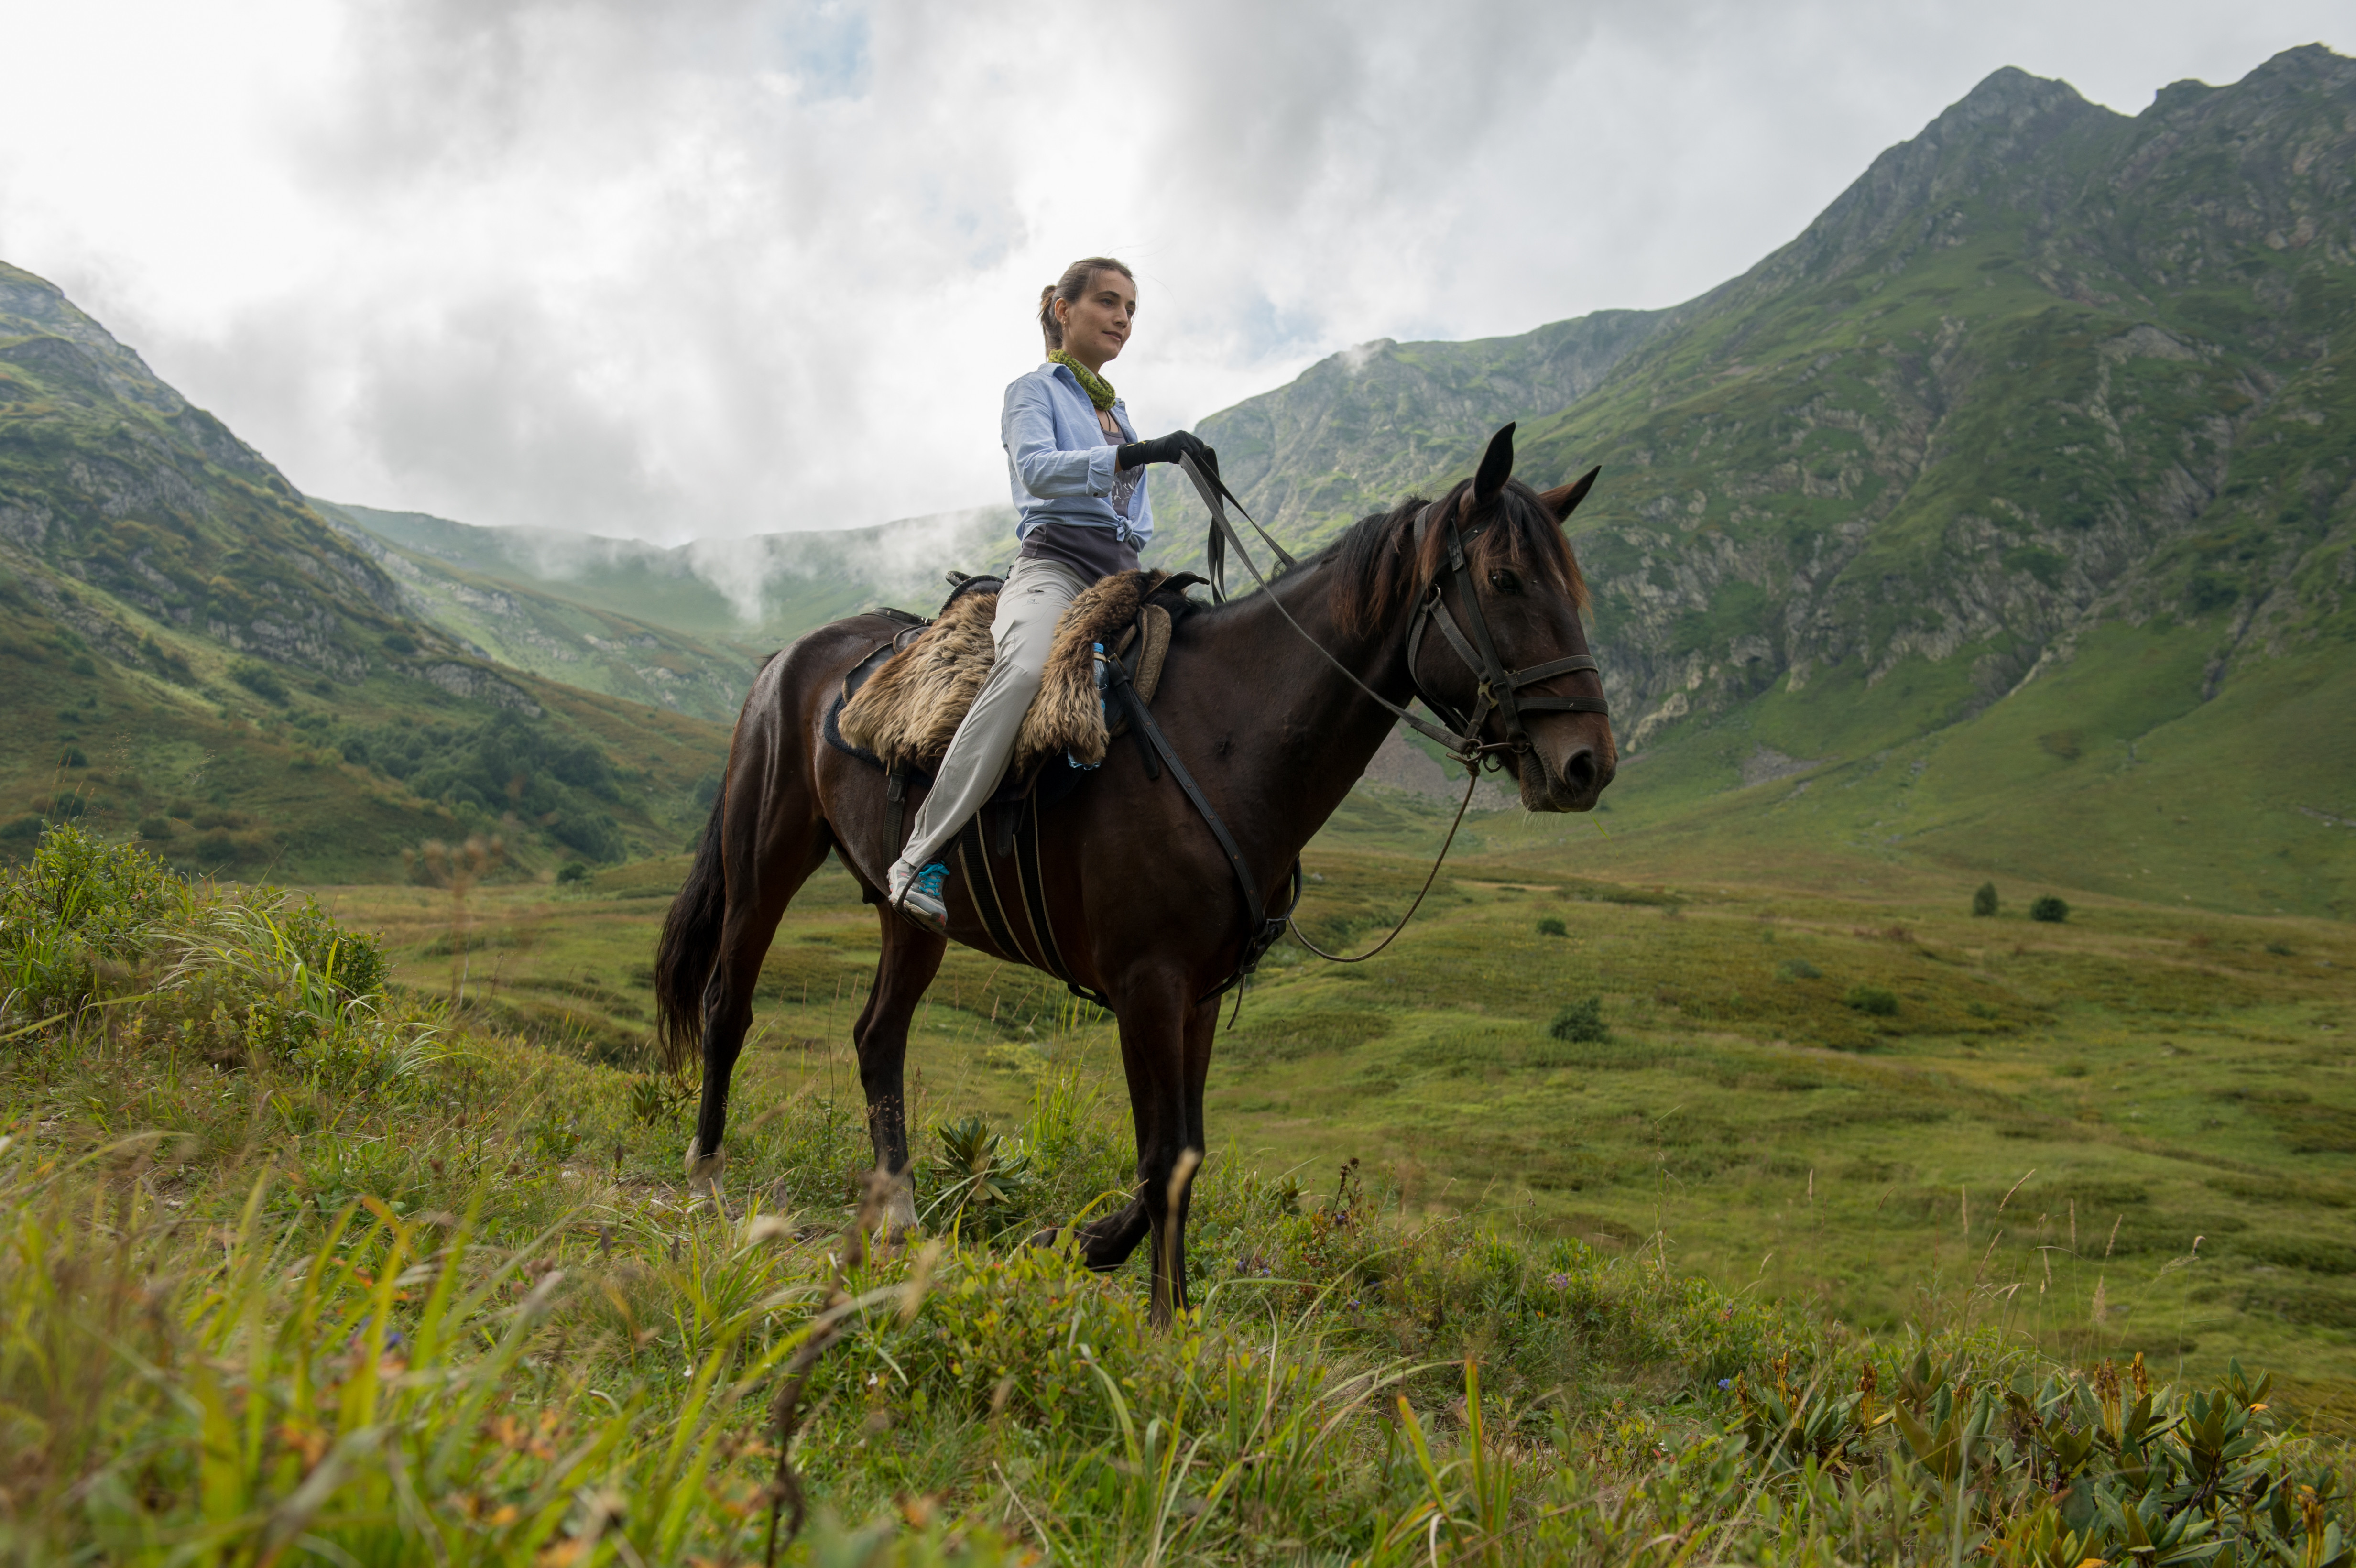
{"x":1267,"y":330}
{"x":826,"y":47}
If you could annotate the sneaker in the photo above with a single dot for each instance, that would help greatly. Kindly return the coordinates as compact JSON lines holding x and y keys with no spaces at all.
{"x":917,"y":895}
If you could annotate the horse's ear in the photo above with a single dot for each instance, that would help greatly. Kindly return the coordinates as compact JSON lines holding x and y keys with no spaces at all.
{"x":1564,"y":500}
{"x":1496,"y":467}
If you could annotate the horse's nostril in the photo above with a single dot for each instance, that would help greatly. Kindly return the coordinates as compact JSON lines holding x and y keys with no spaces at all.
{"x":1579,"y":769}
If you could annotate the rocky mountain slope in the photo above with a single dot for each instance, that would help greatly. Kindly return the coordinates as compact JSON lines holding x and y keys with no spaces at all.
{"x":191,"y":652}
{"x":684,"y":627}
{"x":2036,"y":447}
{"x":1355,"y":429}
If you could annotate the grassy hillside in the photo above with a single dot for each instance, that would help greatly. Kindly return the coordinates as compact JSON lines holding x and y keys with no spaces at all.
{"x":2005,"y":516}
{"x":1354,"y":431}
{"x":708,"y":603}
{"x":192,"y":655}
{"x":301,"y":1268}
{"x":563,"y":636}
{"x":1741,"y":1102}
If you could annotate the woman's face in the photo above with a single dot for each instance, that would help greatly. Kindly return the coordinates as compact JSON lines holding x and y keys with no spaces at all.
{"x":1097,"y":324}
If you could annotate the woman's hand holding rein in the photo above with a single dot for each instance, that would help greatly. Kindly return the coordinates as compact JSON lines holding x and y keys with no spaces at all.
{"x":1168,"y":449}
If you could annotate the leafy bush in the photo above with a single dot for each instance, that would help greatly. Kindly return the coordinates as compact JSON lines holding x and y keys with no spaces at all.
{"x":502,"y":763}
{"x":1983,"y":902}
{"x":1872,"y":999}
{"x":1799,"y":969}
{"x":985,"y":1179}
{"x":79,"y":913}
{"x":2050,"y":909}
{"x":73,"y":757}
{"x":260,"y":679}
{"x":572,"y":872}
{"x":1581,"y":1022}
{"x":399,"y":642}
{"x":155,"y":828}
{"x":1552,"y":926}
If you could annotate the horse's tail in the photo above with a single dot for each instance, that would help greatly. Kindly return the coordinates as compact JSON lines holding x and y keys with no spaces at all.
{"x":689,"y":944}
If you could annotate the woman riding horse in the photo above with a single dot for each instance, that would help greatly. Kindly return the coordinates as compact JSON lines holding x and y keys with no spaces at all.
{"x":1077,"y":470}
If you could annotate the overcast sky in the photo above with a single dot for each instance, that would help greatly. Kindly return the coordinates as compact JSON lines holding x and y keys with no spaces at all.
{"x":709,"y":269}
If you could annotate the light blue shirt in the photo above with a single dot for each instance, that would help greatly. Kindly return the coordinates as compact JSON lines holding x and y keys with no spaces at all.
{"x":1056,"y":456}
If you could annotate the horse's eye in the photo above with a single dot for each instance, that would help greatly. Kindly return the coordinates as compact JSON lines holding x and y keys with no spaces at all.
{"x":1504,"y":581}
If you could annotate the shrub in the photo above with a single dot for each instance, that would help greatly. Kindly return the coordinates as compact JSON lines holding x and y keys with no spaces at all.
{"x":1984,"y":903}
{"x":77,"y":912}
{"x":259,"y":679}
{"x":1580,"y":1021}
{"x":985,"y":1179}
{"x":2049,"y":909}
{"x":1799,"y":969}
{"x":399,"y":642}
{"x":73,"y":757}
{"x":1872,"y":999}
{"x":1552,"y":926}
{"x":572,"y":872}
{"x":155,"y":827}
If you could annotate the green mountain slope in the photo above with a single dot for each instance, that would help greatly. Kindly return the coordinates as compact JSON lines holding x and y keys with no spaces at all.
{"x":506,"y":618}
{"x":1355,"y":430}
{"x":684,"y":627}
{"x":2033,"y":454}
{"x":190,"y":653}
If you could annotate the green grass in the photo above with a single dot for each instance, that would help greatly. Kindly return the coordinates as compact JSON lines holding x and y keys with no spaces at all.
{"x":298,"y":1269}
{"x":1746,"y":1116}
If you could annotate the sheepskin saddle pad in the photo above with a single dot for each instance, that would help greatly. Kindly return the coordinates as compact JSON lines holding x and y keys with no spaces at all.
{"x":907,"y":711}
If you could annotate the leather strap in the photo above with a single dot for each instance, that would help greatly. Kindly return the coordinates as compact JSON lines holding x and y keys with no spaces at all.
{"x":1465,"y":747}
{"x":1256,"y":941}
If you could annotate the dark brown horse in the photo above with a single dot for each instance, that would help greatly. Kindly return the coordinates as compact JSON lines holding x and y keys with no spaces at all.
{"x":1141,"y":899}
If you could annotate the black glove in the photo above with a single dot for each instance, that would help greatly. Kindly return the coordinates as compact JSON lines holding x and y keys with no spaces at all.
{"x":1168,"y":449}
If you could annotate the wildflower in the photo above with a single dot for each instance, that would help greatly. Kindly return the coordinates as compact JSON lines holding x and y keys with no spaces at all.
{"x":1725,"y":1382}
{"x":1558,"y":1281}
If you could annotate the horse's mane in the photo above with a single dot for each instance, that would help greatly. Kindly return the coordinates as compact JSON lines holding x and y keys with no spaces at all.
{"x":1377,"y":562}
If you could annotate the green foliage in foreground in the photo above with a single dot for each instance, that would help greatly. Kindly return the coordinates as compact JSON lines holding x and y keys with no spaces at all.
{"x":385,"y":1288}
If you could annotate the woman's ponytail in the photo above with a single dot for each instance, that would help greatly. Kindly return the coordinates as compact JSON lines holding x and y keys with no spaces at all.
{"x":1071,"y":286}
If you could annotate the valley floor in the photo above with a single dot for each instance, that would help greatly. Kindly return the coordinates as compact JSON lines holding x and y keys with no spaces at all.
{"x":1821,"y":1081}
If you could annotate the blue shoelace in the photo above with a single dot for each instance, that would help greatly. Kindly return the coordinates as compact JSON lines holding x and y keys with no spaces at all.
{"x":928,"y":881}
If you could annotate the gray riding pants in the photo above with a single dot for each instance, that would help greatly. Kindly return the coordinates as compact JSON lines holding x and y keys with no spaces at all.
{"x":1029,"y":605}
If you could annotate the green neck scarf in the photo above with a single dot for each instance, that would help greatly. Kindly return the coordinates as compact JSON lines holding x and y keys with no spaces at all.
{"x":1098,"y":389}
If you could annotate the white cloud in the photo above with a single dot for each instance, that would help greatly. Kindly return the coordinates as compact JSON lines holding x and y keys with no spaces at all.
{"x":715,"y":268}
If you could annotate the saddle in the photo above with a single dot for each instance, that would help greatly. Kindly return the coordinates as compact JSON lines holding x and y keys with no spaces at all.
{"x":904,"y":702}
{"x":900,"y":705}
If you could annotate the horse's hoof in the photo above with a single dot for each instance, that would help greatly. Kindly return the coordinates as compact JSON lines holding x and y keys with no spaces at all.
{"x":703,"y":1170}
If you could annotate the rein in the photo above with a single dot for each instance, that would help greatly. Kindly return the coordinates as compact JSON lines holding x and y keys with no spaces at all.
{"x":1498,"y":689}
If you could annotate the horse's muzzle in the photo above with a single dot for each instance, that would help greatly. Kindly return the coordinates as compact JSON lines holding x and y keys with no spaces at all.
{"x":1570,"y":776}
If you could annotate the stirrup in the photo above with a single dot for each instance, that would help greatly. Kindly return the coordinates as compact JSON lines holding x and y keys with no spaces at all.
{"x":919,"y":898}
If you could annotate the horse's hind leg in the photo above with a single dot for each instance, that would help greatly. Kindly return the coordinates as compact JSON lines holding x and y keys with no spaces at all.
{"x":911,"y":956}
{"x":769,"y":858}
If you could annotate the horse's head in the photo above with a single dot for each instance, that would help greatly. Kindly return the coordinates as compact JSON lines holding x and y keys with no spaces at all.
{"x":1502,"y":644}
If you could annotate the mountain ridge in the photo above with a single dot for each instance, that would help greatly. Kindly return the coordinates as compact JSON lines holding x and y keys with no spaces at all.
{"x":195,"y":654}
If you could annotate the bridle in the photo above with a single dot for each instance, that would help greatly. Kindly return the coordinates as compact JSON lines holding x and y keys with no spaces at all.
{"x":1497,"y":693}
{"x":1497,"y":690}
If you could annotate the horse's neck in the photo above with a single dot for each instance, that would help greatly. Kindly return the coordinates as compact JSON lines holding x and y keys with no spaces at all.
{"x":1316,"y":728}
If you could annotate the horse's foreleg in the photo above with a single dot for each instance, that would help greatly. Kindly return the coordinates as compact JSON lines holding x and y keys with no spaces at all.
{"x":911,"y":958}
{"x":1155,"y":1033}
